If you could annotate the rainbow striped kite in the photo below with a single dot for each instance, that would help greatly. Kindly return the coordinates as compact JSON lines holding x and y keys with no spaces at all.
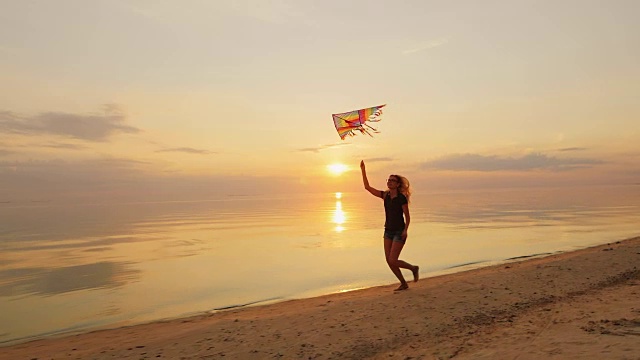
{"x":347,"y":122}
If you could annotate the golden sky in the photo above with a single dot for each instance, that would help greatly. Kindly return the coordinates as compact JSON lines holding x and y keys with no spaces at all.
{"x":179,"y":98}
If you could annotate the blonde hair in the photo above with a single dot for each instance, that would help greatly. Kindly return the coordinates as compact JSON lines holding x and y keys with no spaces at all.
{"x":404,"y":187}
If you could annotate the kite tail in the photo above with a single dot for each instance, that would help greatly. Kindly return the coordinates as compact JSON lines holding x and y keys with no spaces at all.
{"x":364,"y":131}
{"x":372,"y":128}
{"x":376,"y":116}
{"x":348,"y":133}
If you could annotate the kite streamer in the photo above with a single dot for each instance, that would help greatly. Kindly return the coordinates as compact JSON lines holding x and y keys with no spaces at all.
{"x":346,"y":123}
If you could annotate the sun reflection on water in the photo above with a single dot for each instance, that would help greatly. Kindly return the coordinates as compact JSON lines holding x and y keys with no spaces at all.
{"x":339,"y":216}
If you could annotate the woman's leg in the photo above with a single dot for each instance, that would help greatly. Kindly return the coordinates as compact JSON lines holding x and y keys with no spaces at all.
{"x":392,"y":260}
{"x":387,"y":249}
{"x":396,"y":248}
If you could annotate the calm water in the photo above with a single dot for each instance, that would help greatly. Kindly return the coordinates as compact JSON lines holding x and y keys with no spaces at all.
{"x":67,"y":268}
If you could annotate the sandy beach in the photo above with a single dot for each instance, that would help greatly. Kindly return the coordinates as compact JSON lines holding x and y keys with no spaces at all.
{"x":583,"y":304}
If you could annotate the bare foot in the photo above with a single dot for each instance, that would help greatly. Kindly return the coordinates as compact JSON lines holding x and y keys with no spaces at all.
{"x":402,"y":287}
{"x":416,"y":273}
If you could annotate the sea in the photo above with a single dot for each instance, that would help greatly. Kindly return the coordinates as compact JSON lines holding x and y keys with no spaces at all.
{"x":70,"y":268}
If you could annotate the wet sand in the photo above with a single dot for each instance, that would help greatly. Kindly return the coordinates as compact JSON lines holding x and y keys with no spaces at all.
{"x":575,"y":305}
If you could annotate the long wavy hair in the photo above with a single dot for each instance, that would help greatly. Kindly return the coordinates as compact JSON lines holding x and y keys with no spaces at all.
{"x":404,"y":187}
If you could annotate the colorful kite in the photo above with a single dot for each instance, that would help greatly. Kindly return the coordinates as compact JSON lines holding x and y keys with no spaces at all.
{"x":347,"y":122}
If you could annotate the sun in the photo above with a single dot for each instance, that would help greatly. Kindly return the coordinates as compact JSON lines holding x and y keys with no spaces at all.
{"x":337,"y":169}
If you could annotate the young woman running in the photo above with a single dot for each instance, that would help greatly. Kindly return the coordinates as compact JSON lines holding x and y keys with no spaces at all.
{"x":397,"y":219}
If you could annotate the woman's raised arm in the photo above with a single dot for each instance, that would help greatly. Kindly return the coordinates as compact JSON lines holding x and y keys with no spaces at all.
{"x":365,"y":181}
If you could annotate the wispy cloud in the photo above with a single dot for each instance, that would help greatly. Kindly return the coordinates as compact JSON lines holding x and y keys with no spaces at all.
{"x":5,"y":152}
{"x":89,"y":127}
{"x":323,"y":147}
{"x":64,"y":146}
{"x":573,"y":149}
{"x":535,"y":161}
{"x":188,"y":150}
{"x":378,"y":159}
{"x":426,"y":46}
{"x":100,"y":166}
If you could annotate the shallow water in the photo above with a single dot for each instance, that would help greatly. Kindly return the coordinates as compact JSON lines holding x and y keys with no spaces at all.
{"x":76,"y":267}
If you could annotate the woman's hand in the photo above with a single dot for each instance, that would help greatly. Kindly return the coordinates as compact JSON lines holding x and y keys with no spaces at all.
{"x":404,"y":235}
{"x":362,"y":165}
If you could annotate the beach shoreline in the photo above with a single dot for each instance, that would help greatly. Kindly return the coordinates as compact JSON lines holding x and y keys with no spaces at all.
{"x":571,"y":304}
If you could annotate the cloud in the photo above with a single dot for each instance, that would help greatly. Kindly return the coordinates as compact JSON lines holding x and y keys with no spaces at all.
{"x":64,"y":146}
{"x":426,"y":46}
{"x":573,"y":149}
{"x":323,"y":147}
{"x":15,"y":149}
{"x":89,"y":127}
{"x":379,"y":159}
{"x":98,"y":167}
{"x":187,"y":150}
{"x":535,"y":161}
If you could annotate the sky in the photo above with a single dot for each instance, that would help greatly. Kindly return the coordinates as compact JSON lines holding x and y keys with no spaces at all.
{"x":110,"y":99}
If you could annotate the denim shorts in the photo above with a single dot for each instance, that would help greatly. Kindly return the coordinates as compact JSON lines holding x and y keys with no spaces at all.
{"x":394,"y":235}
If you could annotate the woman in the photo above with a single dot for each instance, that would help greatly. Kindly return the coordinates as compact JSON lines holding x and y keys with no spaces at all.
{"x":396,"y":208}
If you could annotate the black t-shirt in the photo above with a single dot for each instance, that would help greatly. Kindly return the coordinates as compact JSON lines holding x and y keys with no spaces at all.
{"x":394,"y":216}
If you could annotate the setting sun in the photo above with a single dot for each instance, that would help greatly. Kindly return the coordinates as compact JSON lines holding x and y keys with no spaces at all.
{"x":337,"y":169}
